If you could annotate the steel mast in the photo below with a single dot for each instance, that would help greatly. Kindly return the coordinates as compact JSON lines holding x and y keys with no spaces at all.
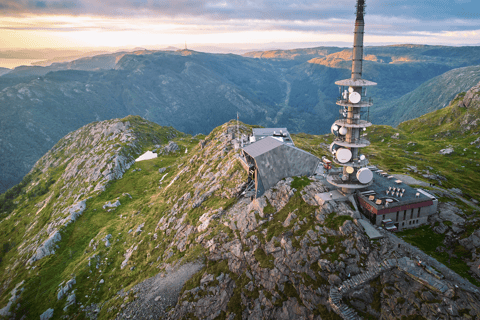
{"x":353,"y":119}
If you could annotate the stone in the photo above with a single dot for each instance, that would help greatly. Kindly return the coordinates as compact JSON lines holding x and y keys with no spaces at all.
{"x":111,"y":205}
{"x":68,"y":286}
{"x":333,"y":279}
{"x":47,"y":314}
{"x":169,"y":148}
{"x":139,"y":228}
{"x":289,"y":218}
{"x":101,"y":281}
{"x":446,"y":151}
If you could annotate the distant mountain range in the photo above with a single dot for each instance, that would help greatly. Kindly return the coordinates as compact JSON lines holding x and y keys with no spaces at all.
{"x":195,"y":92}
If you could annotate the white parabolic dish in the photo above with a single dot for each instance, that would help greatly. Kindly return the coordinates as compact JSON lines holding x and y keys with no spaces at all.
{"x":364,"y":175}
{"x":343,"y":155}
{"x":355,"y":97}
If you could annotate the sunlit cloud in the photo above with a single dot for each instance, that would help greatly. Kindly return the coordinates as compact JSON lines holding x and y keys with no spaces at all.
{"x":115,"y":23}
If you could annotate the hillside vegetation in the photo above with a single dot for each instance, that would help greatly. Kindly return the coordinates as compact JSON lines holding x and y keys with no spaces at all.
{"x":293,"y":88}
{"x":89,"y":233}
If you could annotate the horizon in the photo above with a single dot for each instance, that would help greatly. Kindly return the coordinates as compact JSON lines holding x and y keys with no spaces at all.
{"x":47,"y":56}
{"x":113,"y":25}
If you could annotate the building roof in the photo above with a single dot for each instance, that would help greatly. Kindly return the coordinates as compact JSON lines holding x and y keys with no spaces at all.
{"x":276,"y":160}
{"x":262,"y":146}
{"x":268,"y":131}
{"x":382,"y":182}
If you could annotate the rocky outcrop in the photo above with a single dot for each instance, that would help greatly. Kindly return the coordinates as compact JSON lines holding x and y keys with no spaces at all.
{"x":472,"y":97}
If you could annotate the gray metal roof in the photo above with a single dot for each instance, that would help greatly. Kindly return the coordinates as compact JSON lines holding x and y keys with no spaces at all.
{"x":268,"y":131}
{"x":262,"y":146}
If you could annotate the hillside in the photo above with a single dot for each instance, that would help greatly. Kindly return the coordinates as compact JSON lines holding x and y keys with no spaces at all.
{"x":430,"y":96}
{"x":90,"y":233}
{"x":295,"y":88}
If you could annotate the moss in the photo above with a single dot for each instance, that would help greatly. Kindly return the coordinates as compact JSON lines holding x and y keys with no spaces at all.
{"x":269,"y":209}
{"x":377,"y":286}
{"x":300,"y":182}
{"x":325,"y":314}
{"x":309,"y":281}
{"x":265,"y":261}
{"x":413,"y":317}
{"x":235,"y":305}
{"x":334,"y":221}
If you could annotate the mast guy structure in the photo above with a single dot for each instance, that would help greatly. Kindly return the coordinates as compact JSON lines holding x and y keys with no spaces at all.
{"x":353,"y":120}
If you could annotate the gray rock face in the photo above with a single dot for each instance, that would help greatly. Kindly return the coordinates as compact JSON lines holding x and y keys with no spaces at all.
{"x":47,"y":314}
{"x":169,"y":148}
{"x":111,"y":205}
{"x":64,"y":290}
{"x":472,"y":96}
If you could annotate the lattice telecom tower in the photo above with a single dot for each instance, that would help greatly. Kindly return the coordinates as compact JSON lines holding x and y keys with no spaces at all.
{"x":353,"y":120}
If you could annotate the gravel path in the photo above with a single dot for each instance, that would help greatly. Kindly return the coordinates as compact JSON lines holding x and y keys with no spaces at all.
{"x":447,"y":272}
{"x":158,"y":293}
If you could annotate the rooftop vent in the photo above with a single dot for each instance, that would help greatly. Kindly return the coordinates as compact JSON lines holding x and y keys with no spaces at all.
{"x":378,"y":201}
{"x":398,"y":181}
{"x":371,"y":198}
{"x":417,"y":194}
{"x":403,"y":190}
{"x":388,"y":192}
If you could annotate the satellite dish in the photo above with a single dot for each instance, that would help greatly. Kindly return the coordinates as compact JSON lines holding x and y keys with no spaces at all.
{"x":355,"y":97}
{"x":350,"y":89}
{"x":334,"y":129}
{"x":342,"y":131}
{"x":333,"y":147}
{"x":350,"y":170}
{"x":362,"y":157}
{"x":345,"y":94}
{"x":364,"y":175}
{"x":343,"y":155}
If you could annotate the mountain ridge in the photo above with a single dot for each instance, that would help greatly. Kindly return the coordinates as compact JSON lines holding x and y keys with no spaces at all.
{"x":42,"y":105}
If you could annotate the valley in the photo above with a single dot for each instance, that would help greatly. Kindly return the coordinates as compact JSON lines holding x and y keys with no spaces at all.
{"x":89,"y":232}
{"x":195,"y":92}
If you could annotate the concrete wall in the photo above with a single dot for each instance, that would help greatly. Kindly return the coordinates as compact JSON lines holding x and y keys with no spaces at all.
{"x":411,"y":218}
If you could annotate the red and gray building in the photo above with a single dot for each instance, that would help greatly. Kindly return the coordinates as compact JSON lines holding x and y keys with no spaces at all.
{"x":390,"y":198}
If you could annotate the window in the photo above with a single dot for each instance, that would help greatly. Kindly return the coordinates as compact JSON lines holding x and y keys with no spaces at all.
{"x":397,"y":215}
{"x":405,"y":215}
{"x":411,"y":214}
{"x":409,"y":222}
{"x":418,"y":213}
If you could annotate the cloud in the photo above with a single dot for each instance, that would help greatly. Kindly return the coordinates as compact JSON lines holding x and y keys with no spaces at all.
{"x":392,"y":18}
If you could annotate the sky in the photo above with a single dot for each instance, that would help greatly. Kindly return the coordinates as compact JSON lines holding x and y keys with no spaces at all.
{"x":150,"y":24}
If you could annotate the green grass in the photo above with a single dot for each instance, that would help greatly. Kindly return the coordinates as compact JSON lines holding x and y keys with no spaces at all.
{"x":334,"y":221}
{"x":427,"y":240}
{"x":300,"y":182}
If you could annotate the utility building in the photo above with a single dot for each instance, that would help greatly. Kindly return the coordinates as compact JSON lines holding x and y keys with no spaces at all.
{"x":281,"y":134}
{"x":270,"y":160}
{"x":390,"y":198}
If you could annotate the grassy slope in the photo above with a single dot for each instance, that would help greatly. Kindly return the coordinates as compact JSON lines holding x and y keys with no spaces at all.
{"x":148,"y":203}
